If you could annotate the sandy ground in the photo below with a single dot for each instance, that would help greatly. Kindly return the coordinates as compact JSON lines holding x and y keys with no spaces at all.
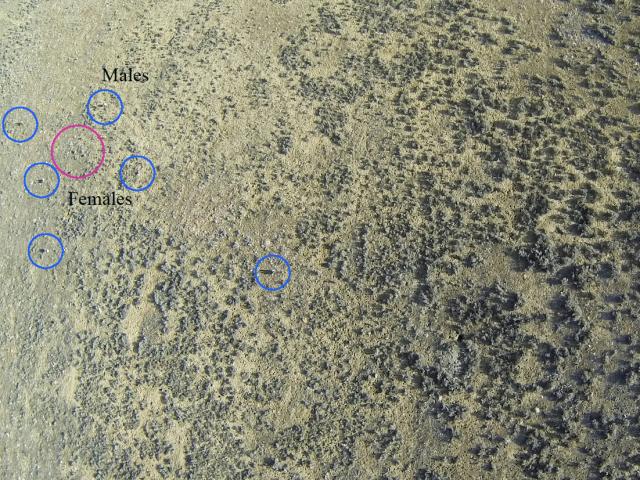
{"x":455,"y":186}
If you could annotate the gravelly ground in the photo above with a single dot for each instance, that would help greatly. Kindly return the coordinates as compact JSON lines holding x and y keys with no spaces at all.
{"x":455,"y":184}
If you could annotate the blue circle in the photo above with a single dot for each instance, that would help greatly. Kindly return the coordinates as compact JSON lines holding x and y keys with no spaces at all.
{"x":115,"y":94}
{"x":257,"y":267}
{"x":153,"y":171}
{"x":45,"y":267}
{"x":4,"y":120}
{"x":52,"y":192}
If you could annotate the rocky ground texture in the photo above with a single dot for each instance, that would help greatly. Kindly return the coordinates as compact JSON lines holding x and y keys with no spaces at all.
{"x":456,"y":186}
